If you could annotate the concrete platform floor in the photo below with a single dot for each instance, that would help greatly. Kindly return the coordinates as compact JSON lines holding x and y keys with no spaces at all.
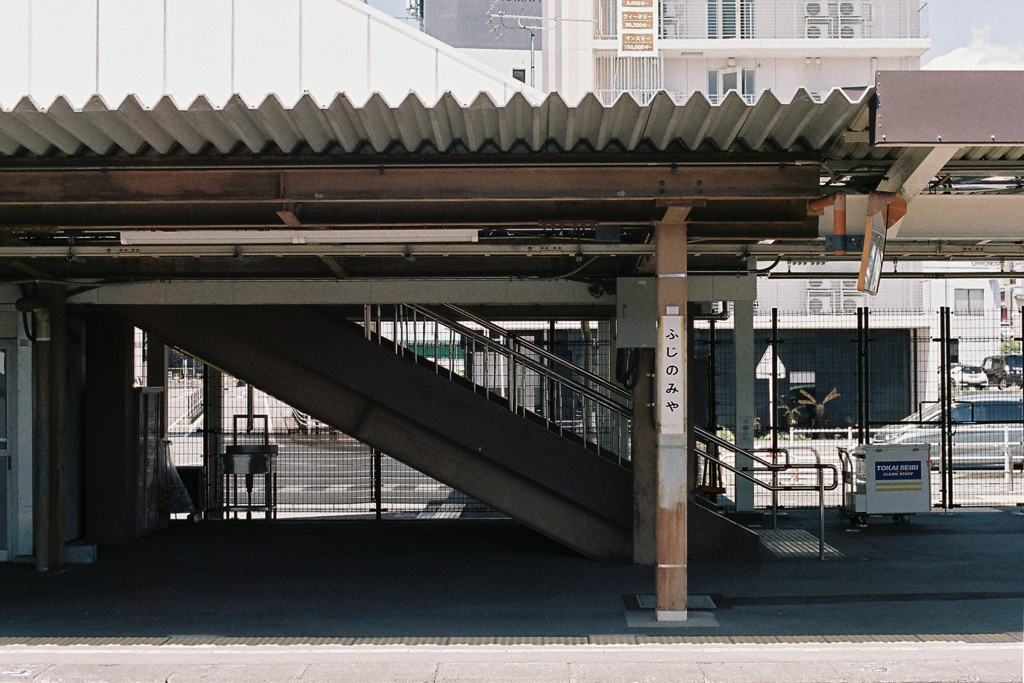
{"x":946,"y":588}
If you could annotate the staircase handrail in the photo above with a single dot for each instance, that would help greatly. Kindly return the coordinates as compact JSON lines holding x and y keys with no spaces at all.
{"x":707,"y":436}
{"x":540,"y":368}
{"x":817,"y":465}
{"x":543,"y":353}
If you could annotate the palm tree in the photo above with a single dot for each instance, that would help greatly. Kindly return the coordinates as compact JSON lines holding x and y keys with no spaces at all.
{"x":819,"y":408}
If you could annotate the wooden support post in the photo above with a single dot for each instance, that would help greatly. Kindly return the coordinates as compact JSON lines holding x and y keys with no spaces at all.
{"x":671,"y":410}
{"x":49,"y":449}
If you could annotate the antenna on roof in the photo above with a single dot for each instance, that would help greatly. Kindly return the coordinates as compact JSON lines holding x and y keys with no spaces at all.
{"x":500,"y":20}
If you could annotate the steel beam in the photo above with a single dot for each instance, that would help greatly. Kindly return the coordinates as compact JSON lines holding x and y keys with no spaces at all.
{"x":121,"y":187}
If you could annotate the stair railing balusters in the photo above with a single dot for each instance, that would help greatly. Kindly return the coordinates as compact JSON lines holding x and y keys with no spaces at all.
{"x":395,"y":330}
{"x":592,"y":409}
{"x":486,"y":369}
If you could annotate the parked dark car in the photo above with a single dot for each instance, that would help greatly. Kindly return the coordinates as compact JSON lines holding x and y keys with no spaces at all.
{"x":1003,"y":371}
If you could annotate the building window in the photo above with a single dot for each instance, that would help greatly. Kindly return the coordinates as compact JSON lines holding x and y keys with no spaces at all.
{"x":730,"y":18}
{"x":750,"y":83}
{"x":723,"y":82}
{"x":519,"y":75}
{"x":969,"y":301}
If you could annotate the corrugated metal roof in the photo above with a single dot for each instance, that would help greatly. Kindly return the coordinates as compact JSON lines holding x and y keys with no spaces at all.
{"x":801,"y":125}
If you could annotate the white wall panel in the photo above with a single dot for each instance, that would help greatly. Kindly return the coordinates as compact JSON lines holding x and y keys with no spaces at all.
{"x":399,"y":67}
{"x":198,"y":51}
{"x":214,"y":48}
{"x":14,"y":52}
{"x":131,"y":50}
{"x":334,"y":51}
{"x":267,"y":50}
{"x":63,"y":50}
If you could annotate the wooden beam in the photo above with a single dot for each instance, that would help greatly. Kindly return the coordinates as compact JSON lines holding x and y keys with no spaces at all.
{"x":334,"y":266}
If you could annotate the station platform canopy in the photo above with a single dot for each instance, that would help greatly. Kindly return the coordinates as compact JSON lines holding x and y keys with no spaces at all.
{"x":527,"y":177}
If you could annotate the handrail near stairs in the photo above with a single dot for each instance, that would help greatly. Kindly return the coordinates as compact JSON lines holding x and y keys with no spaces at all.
{"x":748,"y":474}
{"x":531,"y":379}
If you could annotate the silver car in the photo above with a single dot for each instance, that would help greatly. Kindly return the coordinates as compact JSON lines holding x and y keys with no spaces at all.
{"x":986,"y":431}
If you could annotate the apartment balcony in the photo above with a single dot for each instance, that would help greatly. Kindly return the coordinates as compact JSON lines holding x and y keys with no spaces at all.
{"x":762,"y":27}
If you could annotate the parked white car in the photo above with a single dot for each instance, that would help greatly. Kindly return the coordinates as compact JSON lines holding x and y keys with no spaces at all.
{"x":968,"y":376}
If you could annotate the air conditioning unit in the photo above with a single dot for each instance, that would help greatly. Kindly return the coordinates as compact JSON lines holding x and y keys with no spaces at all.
{"x":851,"y":31}
{"x":819,"y":305}
{"x":816,"y":30}
{"x":851,"y":304}
{"x":853,"y":10}
{"x":816,"y":9}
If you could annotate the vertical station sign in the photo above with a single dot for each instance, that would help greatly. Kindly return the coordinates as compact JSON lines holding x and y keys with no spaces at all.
{"x":638,"y":28}
{"x":671,"y":382}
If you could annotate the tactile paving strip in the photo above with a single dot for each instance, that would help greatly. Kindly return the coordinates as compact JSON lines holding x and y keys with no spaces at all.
{"x":793,"y":544}
{"x":613,"y":639}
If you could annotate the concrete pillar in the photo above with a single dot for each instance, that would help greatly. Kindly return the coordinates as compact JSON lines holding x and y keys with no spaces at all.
{"x":671,"y":411}
{"x":645,"y":479}
{"x":49,"y":324}
{"x":213,"y":421}
{"x":156,"y":378}
{"x":743,"y":315}
{"x":156,"y":373}
{"x":109,"y":468}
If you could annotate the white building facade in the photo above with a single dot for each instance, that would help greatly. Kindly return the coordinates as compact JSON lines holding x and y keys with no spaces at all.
{"x":715,"y":47}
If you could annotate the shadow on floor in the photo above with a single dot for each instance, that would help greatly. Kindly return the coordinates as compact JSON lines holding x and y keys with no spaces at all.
{"x":494,"y":578}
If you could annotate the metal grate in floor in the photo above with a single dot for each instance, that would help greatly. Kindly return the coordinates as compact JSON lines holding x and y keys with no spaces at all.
{"x":793,"y":544}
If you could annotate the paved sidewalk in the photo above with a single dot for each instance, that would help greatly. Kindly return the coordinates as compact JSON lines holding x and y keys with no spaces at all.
{"x":864,"y":663}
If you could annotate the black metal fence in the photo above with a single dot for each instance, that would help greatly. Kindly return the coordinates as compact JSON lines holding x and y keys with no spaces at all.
{"x":945,"y":378}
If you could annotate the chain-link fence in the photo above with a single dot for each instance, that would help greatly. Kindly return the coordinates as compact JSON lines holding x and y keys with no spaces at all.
{"x":947,"y":378}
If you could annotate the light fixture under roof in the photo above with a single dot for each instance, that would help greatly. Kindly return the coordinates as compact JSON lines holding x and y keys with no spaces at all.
{"x":178,"y":237}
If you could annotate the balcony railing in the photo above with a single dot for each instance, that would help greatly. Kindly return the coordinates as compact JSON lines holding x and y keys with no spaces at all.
{"x":834,"y":20}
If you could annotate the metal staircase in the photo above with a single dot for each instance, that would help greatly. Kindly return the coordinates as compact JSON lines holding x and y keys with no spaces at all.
{"x":504,"y":368}
{"x":520,"y":430}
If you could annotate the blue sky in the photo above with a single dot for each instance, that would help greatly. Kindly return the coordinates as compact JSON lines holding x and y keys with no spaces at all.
{"x":976,"y":34}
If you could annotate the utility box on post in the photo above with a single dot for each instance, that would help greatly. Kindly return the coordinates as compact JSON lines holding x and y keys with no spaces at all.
{"x":636,"y":313}
{"x":892,"y":479}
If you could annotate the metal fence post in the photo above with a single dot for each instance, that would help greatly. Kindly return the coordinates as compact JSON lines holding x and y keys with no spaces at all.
{"x":944,"y":409}
{"x":774,"y":384}
{"x":377,"y":484}
{"x":867,"y":376}
{"x":861,"y":394}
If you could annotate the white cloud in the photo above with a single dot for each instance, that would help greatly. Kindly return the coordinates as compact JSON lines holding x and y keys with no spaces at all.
{"x":980,"y":54}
